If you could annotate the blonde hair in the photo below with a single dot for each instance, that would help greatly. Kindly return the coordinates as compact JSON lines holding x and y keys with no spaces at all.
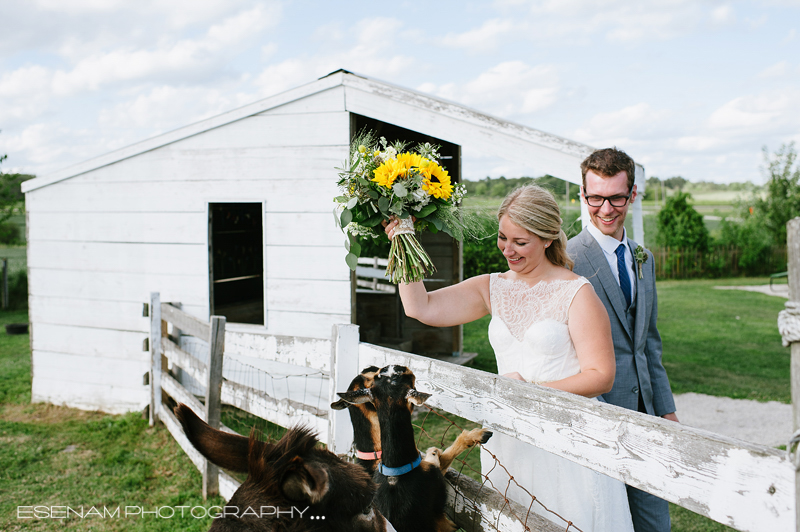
{"x":535,"y":209}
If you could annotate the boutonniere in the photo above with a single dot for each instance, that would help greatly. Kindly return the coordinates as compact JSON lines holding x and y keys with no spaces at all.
{"x":641,"y":257}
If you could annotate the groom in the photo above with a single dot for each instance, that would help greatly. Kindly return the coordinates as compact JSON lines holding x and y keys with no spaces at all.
{"x":605,"y":256}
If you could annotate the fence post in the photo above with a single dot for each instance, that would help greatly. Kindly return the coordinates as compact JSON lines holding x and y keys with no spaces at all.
{"x":344,"y":366}
{"x":155,"y":357}
{"x":216,"y":353}
{"x":793,"y":256}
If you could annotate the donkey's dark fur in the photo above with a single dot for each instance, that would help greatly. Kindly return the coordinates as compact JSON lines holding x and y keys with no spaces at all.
{"x":364,"y":418}
{"x":415,"y":501}
{"x":303,"y":481}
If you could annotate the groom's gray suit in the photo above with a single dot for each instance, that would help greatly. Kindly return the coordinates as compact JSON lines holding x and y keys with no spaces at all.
{"x":641,"y":381}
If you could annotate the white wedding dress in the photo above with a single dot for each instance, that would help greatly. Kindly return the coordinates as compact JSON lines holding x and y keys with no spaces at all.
{"x":529,"y":334}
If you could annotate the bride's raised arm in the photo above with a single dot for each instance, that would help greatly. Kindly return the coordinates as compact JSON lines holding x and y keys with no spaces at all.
{"x":453,"y":305}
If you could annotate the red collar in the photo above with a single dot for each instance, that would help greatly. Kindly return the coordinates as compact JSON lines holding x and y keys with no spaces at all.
{"x":372,"y":455}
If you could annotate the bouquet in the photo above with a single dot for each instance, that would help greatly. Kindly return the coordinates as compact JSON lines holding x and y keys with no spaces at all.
{"x":381,"y":181}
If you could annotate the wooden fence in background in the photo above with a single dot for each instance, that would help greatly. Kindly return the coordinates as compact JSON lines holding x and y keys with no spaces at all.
{"x":719,"y":261}
{"x":746,"y":486}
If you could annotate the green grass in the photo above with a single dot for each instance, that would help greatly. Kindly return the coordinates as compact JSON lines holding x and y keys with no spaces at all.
{"x":723,"y":342}
{"x":57,"y":456}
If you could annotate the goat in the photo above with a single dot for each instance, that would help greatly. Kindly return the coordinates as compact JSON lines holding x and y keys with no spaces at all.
{"x":364,"y":418}
{"x":411,"y":492}
{"x":367,"y":431}
{"x":291,"y":486}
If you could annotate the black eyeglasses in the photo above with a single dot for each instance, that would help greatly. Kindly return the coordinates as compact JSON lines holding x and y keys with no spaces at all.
{"x":615,"y":201}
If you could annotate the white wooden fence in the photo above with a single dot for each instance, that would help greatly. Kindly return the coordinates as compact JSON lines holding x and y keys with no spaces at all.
{"x":745,"y":486}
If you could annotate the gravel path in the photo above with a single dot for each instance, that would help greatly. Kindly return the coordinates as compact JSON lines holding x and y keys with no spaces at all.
{"x":767,"y":423}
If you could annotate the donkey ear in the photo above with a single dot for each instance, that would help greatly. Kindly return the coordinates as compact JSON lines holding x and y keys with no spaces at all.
{"x":357,"y":397}
{"x":305,"y":482}
{"x":418,"y":398}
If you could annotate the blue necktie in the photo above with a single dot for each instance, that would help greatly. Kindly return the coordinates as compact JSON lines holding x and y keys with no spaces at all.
{"x":624,"y":280}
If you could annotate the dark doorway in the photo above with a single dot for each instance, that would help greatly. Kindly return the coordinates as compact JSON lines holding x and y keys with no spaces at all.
{"x":236,"y":260}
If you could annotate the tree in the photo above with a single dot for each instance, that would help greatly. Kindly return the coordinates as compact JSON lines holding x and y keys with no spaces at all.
{"x":11,"y":202}
{"x":676,"y":182}
{"x":781,"y":202}
{"x":680,"y":226}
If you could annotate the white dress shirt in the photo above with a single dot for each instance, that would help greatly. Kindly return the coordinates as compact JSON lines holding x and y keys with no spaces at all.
{"x":609,"y":245}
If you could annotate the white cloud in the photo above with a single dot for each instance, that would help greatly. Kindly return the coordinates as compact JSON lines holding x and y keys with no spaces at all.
{"x":624,"y":126}
{"x":168,"y":107}
{"x":481,"y":39}
{"x":776,"y":70}
{"x":374,"y":53}
{"x":722,"y":15}
{"x":789,"y":36}
{"x":508,"y":88}
{"x":748,"y":115}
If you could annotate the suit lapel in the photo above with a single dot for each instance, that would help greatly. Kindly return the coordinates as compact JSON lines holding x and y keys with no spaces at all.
{"x":641,"y":298}
{"x":596,"y":257}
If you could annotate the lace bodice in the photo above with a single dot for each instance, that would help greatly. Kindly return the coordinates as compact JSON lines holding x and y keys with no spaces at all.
{"x":529,"y":328}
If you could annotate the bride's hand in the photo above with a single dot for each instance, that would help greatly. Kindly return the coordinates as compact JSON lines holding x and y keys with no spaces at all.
{"x":390,"y":225}
{"x":514,"y":375}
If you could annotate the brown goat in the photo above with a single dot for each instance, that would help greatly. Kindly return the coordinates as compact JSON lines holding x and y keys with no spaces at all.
{"x":364,"y":418}
{"x":292,"y":485}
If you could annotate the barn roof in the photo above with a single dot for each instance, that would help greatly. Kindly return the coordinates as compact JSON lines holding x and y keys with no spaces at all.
{"x":390,"y":103}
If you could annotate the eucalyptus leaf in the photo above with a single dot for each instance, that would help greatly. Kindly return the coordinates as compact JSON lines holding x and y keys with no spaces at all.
{"x":437,"y":223}
{"x":355,"y":248}
{"x":352,"y":203}
{"x":347,"y":244}
{"x":352,"y":261}
{"x":399,"y":190}
{"x":340,"y":199}
{"x":347,"y":217}
{"x":426,"y":210}
{"x":372,"y":194}
{"x":373,"y":220}
{"x":383,"y":204}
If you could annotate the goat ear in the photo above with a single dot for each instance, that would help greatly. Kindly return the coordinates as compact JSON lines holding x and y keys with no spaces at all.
{"x":305,"y":482}
{"x":357,"y":397}
{"x":418,"y":398}
{"x":341,"y":404}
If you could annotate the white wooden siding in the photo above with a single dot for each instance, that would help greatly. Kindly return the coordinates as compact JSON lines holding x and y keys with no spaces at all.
{"x":318,"y":129}
{"x":324,"y":101}
{"x":84,"y":369}
{"x":118,"y":315}
{"x":103,"y":343}
{"x":104,"y":397}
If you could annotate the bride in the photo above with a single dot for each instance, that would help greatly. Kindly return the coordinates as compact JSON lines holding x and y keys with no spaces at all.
{"x":549,"y":328}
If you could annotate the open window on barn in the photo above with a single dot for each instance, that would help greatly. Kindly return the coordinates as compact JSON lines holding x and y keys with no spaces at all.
{"x":378,"y":310}
{"x":236,"y":261}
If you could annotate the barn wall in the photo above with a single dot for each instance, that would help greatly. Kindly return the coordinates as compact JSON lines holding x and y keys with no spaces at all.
{"x":100,"y":242}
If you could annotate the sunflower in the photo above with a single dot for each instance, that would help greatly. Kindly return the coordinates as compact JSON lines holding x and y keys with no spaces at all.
{"x":436,"y":181}
{"x":388,"y":172}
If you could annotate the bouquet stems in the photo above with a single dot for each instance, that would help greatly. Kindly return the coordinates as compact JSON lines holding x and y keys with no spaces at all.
{"x":408,"y":261}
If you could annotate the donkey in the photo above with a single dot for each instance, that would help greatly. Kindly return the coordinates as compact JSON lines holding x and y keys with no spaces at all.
{"x":364,"y":418}
{"x":411,"y":492}
{"x":291,"y":486}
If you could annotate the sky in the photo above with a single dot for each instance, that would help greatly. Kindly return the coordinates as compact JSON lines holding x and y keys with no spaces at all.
{"x":695,"y":88}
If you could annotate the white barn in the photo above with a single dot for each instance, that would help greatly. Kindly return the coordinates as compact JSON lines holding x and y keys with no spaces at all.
{"x":252,"y":188}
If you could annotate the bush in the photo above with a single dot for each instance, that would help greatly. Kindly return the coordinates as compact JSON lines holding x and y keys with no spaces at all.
{"x":680,"y":226}
{"x":18,"y":290}
{"x":9,"y":233}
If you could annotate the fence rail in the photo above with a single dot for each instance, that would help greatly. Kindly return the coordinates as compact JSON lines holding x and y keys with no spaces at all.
{"x":746,"y":486}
